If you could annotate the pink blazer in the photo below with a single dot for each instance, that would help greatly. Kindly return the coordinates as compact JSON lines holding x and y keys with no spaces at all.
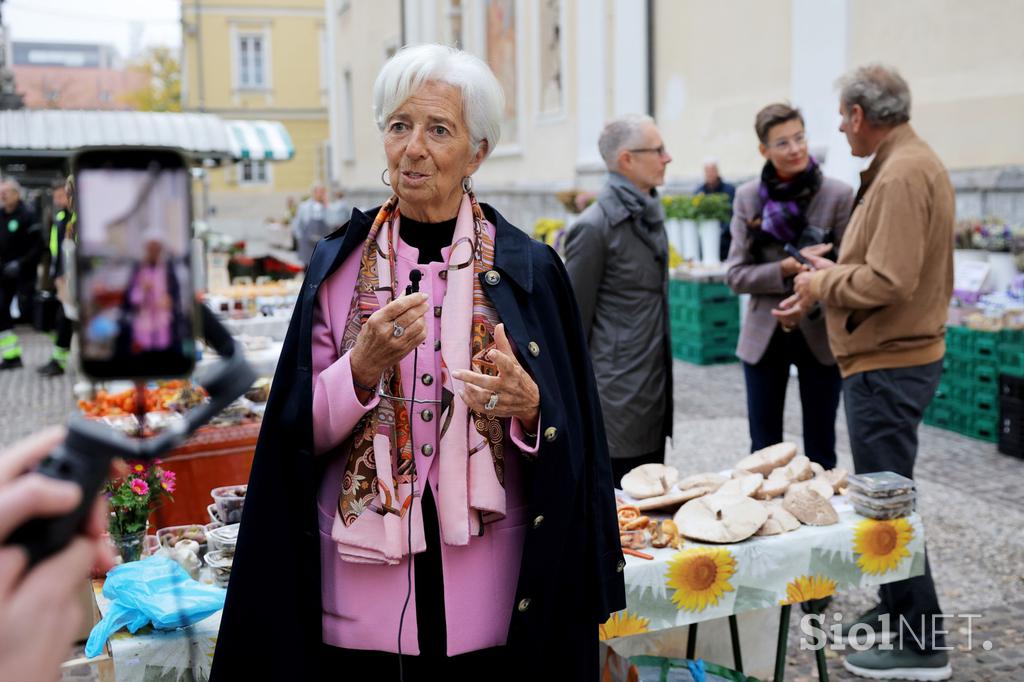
{"x":362,"y":603}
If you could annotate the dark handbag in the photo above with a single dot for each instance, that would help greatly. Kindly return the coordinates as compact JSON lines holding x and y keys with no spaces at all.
{"x":44,"y":311}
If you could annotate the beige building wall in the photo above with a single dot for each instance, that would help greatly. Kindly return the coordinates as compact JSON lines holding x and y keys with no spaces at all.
{"x":295,"y":93}
{"x":965,"y":65}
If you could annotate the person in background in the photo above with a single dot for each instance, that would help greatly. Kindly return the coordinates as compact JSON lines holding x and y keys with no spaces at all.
{"x":617,"y":258}
{"x":791,"y":203}
{"x":21,"y":244}
{"x":714,"y":184}
{"x":312,"y":222}
{"x":886,"y":303}
{"x":338,"y":210}
{"x":63,"y":226}
{"x":40,"y":612}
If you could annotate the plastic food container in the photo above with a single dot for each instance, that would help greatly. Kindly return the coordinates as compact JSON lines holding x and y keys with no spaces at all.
{"x":883,"y":507}
{"x":229,"y":500}
{"x":223,"y":539}
{"x":881,"y":484}
{"x":220,"y":567}
{"x":168,"y":537}
{"x":214,"y":513}
{"x":634,"y":539}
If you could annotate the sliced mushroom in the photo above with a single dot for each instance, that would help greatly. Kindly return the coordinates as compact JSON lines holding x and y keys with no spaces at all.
{"x":705,"y":480}
{"x":745,"y":485}
{"x":721,"y":518}
{"x":810,"y":507}
{"x":665,"y":534}
{"x":649,"y":480}
{"x":779,"y":520}
{"x":766,"y":459}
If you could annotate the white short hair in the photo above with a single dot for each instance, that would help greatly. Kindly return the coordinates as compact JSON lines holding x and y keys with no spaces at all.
{"x":880,"y":91}
{"x":14,"y":185}
{"x":618,"y":134}
{"x":483,"y":102}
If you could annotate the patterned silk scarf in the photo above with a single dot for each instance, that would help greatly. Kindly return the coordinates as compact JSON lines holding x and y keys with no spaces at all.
{"x":381,"y":484}
{"x":784,"y":202}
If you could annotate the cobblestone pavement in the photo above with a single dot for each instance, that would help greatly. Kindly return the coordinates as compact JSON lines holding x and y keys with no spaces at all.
{"x":969,"y":498}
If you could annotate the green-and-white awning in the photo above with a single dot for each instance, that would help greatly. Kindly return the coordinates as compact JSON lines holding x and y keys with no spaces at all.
{"x":259,"y":140}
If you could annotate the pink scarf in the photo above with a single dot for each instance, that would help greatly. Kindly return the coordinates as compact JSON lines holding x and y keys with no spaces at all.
{"x":371,"y":524}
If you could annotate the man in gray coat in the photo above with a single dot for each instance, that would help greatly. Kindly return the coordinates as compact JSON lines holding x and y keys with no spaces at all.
{"x":617,"y":258}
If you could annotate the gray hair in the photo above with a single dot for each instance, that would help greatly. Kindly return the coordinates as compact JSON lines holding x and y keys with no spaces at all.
{"x":14,"y":185}
{"x":619,"y":134}
{"x":483,"y":102}
{"x":880,"y":91}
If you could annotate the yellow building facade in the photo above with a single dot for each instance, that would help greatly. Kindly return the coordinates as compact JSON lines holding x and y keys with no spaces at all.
{"x":260,"y":60}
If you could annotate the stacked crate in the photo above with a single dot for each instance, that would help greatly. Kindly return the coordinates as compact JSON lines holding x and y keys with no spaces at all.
{"x":967,"y":400}
{"x":705,"y":319}
{"x":1011,"y":393}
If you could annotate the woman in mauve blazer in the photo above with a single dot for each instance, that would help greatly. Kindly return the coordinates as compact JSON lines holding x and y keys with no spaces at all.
{"x":791,"y":203}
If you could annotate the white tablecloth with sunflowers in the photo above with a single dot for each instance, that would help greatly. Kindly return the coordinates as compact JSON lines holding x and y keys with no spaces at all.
{"x":700,"y":582}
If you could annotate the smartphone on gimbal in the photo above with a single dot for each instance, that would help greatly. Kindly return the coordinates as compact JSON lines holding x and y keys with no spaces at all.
{"x":133,"y":268}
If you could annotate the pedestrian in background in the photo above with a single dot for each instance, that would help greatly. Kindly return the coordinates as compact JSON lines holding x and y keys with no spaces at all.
{"x":886,"y":306}
{"x":714,"y":184}
{"x":64,"y":220}
{"x":791,"y":203}
{"x":617,"y":258}
{"x":21,"y":244}
{"x":312,"y":222}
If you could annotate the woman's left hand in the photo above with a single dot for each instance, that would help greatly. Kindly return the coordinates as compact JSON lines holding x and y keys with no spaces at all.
{"x":518,"y":395}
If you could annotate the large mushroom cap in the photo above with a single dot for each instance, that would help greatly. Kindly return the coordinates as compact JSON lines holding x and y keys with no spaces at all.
{"x":766,"y":459}
{"x":649,"y":480}
{"x":779,"y":520}
{"x":810,"y":507}
{"x":721,"y":518}
{"x":705,"y":480}
{"x":745,"y":485}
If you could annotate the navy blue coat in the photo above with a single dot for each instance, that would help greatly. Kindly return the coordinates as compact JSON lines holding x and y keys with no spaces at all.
{"x":572,"y":563}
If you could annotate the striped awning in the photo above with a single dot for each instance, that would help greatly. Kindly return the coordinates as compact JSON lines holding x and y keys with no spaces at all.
{"x":266,"y":140}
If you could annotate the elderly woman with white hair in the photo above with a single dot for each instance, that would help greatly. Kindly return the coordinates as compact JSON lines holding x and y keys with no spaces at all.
{"x":431,"y":492}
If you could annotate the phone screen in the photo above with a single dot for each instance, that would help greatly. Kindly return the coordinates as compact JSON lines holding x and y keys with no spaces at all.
{"x":136,"y":303}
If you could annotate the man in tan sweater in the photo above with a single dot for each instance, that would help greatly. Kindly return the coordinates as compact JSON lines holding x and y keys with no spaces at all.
{"x":886,"y":302}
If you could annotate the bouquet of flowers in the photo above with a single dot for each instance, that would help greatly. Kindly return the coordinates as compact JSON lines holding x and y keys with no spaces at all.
{"x":133,"y":496}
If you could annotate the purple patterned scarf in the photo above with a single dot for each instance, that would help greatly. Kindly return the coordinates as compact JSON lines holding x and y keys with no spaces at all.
{"x":783,"y":203}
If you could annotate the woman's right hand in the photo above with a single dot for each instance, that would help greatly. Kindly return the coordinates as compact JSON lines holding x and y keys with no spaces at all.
{"x":377,"y":347}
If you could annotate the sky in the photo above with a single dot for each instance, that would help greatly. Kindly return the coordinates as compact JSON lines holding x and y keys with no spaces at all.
{"x":128,"y":25}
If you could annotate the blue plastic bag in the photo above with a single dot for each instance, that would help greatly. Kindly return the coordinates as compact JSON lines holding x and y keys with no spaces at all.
{"x":155,"y":590}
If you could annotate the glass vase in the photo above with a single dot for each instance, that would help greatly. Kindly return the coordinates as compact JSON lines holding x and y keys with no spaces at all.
{"x":129,"y":545}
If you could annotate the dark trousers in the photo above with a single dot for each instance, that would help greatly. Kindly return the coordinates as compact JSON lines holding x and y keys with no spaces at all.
{"x":623,"y":465}
{"x":64,"y":329}
{"x":433,"y":661}
{"x":820,"y":386}
{"x":8,"y":290}
{"x":883,"y":410}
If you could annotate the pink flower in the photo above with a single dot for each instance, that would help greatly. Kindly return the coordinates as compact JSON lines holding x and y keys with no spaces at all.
{"x":168,"y":485}
{"x":170,"y":475}
{"x":139,"y":487}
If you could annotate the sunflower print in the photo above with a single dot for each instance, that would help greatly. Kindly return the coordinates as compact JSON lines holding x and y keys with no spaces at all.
{"x":807,"y":587}
{"x":623,"y":624}
{"x":700,"y":576}
{"x":881,"y":545}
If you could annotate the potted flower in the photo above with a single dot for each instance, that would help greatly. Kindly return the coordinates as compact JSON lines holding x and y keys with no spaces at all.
{"x":710,"y":210}
{"x":132,"y":498}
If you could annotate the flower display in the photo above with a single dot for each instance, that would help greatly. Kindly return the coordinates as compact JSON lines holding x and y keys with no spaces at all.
{"x":623,"y":624}
{"x":881,"y":545}
{"x":700,"y":576}
{"x":807,"y":587}
{"x":132,"y":497}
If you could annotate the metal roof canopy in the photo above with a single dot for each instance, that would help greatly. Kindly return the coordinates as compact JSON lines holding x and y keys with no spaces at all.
{"x":59,"y":133}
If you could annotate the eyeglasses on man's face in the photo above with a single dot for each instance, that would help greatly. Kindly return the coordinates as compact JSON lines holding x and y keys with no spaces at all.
{"x":659,"y":150}
{"x":797,"y":141}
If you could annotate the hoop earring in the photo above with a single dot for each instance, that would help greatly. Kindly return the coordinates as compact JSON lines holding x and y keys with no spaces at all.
{"x":467,"y":184}
{"x":383,"y":175}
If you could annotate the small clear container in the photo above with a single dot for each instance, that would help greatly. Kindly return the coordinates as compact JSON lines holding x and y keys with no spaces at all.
{"x":880,"y":484}
{"x":214,"y":513}
{"x":220,"y":567}
{"x":634,"y":539}
{"x":883,"y":508}
{"x":170,"y":536}
{"x":229,"y":500}
{"x":223,"y":539}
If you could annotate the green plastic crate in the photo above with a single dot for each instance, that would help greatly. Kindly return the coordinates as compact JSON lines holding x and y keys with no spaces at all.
{"x":696,"y":293}
{"x":985,"y":346}
{"x":707,"y":350}
{"x":959,"y":341}
{"x":983,"y":426}
{"x":1011,"y":360}
{"x":713,"y":319}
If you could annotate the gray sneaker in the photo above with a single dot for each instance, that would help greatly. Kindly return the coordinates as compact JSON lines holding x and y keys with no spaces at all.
{"x":868,"y":624}
{"x":896,"y":664}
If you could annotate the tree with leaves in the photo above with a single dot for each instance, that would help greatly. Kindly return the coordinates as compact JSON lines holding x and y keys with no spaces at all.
{"x":163,"y":78}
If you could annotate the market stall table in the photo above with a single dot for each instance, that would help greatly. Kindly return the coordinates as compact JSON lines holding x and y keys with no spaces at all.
{"x":160,"y":654}
{"x":702,"y":582}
